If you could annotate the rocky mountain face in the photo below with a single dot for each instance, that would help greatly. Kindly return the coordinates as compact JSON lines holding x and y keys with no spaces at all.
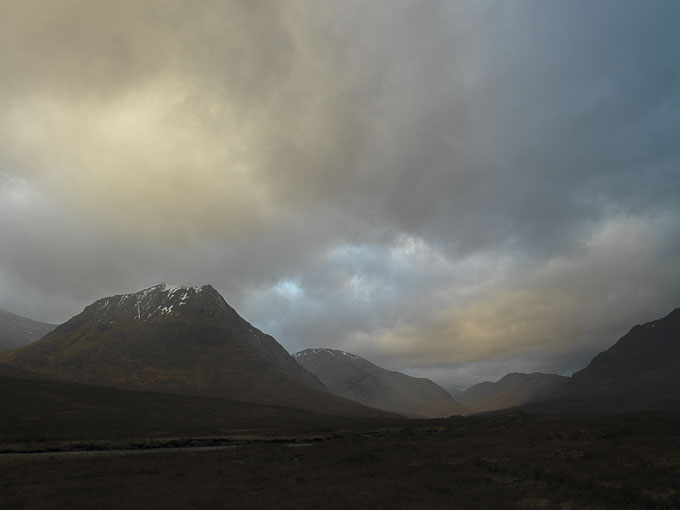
{"x":642,"y":368}
{"x":17,"y":331}
{"x":185,"y":340}
{"x":350,"y":376}
{"x":511,"y":390}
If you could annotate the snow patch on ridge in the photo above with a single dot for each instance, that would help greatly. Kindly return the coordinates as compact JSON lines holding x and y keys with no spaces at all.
{"x":171,"y":295}
{"x":350,"y":355}
{"x":171,"y":288}
{"x":160,"y":300}
{"x":332,"y":352}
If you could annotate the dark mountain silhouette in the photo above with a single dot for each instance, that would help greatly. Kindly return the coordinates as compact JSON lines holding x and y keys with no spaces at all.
{"x":642,"y":368}
{"x":350,"y":376}
{"x":185,"y":340}
{"x":640,"y":372}
{"x":17,"y":331}
{"x":511,"y":390}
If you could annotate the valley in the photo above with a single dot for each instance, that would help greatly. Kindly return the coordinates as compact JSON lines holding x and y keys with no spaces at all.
{"x":167,"y":398}
{"x":515,"y":460}
{"x":289,"y":254}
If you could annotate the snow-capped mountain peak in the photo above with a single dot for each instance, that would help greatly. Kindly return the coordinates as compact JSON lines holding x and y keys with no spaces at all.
{"x":164,"y":299}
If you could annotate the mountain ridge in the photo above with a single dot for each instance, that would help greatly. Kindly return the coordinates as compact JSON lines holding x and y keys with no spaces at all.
{"x":17,"y":331}
{"x":351,"y":376}
{"x":645,"y":360}
{"x":176,"y":339}
{"x":513,"y":389}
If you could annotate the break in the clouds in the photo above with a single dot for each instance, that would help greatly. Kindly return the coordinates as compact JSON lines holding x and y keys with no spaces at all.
{"x":457,"y":189}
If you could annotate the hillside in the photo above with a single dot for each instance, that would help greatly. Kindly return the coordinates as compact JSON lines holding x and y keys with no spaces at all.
{"x":511,"y":390}
{"x":350,"y":376}
{"x":185,"y":340}
{"x":17,"y":331}
{"x":642,"y":368}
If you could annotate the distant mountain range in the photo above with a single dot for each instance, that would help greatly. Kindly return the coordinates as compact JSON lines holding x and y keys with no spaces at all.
{"x":188,"y":340}
{"x":17,"y":331}
{"x":511,"y":390}
{"x":175,"y":339}
{"x":350,"y":376}
{"x":641,"y":372}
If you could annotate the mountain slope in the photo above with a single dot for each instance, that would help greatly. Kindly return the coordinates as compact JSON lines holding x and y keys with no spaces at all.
{"x":640,"y":372}
{"x":513,"y":389}
{"x":643,"y":365}
{"x":17,"y":331}
{"x":176,"y":339}
{"x":350,"y":376}
{"x":36,"y":412}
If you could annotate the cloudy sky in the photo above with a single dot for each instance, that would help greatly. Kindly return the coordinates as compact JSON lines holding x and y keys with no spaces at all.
{"x":456,"y":189}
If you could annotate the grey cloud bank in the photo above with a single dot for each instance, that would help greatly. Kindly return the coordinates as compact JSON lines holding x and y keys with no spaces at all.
{"x":451,"y":188}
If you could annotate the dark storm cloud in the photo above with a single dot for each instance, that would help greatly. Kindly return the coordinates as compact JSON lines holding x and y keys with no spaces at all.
{"x":425,"y":184}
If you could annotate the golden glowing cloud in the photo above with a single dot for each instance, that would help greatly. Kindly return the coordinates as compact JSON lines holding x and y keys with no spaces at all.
{"x":163,"y":117}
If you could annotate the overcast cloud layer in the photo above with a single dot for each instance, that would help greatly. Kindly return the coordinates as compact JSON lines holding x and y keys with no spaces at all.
{"x":454,"y":189}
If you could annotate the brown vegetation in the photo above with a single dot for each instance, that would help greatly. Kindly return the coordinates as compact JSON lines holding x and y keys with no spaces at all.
{"x":509,"y":461}
{"x":112,"y":448}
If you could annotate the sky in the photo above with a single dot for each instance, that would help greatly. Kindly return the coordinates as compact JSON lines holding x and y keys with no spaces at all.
{"x":454,"y":189}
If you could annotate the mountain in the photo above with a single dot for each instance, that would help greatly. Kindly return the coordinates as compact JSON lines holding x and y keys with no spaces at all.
{"x":17,"y":331}
{"x":176,"y":339}
{"x":350,"y":376}
{"x":640,"y":372}
{"x":511,"y":390}
{"x":643,"y":367}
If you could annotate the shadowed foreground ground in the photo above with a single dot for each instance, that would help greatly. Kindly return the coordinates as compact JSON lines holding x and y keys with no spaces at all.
{"x":507,"y":461}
